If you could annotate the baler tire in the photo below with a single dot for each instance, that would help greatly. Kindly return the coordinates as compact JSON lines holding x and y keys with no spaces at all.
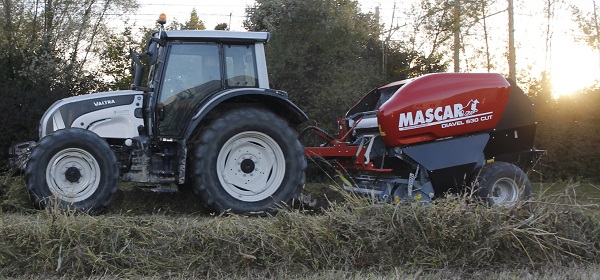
{"x":72,"y":169}
{"x":248,"y":161}
{"x":502,"y":183}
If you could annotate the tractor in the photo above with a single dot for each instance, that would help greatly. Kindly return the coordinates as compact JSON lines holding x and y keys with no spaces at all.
{"x":207,"y":121}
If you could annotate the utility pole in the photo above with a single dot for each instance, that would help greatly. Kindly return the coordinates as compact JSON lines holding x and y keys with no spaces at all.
{"x":512,"y":57}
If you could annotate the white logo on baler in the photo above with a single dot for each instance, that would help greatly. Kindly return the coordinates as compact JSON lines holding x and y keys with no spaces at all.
{"x":446,"y":116}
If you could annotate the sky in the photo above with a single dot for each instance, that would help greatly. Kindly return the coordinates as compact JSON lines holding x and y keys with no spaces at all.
{"x":573,"y":65}
{"x":215,"y":12}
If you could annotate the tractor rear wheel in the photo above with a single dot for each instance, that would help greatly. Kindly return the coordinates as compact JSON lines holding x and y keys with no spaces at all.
{"x":72,"y":169}
{"x":502,"y":183}
{"x":248,"y":161}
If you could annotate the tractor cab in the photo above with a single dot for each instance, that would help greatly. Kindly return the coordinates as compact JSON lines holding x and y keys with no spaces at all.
{"x":190,"y":67}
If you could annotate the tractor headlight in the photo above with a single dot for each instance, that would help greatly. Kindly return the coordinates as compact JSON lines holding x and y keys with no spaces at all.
{"x":46,"y":117}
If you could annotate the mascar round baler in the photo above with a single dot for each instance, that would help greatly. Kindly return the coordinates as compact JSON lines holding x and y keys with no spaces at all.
{"x":439,"y":133}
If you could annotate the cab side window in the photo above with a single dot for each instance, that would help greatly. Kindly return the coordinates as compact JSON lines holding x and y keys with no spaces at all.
{"x":240,"y":66}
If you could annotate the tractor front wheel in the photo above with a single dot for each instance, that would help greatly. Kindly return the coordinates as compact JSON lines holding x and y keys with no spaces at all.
{"x":502,"y":183}
{"x":72,"y":169}
{"x":248,"y":161}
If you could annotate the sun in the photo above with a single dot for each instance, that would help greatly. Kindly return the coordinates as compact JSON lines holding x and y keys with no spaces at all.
{"x":574,"y":71}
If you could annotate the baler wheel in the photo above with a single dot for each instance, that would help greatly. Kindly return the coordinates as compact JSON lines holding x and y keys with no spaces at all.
{"x":502,"y":184}
{"x":72,"y":169}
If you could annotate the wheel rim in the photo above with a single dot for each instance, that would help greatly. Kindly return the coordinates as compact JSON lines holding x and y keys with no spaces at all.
{"x":73,"y":175}
{"x":505,"y":192}
{"x":251,"y":166}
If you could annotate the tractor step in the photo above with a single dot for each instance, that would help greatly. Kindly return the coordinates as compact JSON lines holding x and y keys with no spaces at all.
{"x":158,"y":189}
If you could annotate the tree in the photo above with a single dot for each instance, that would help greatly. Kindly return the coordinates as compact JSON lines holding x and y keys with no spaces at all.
{"x":549,"y":10}
{"x":194,"y":23}
{"x":484,"y":6}
{"x":589,"y":25}
{"x":321,"y":52}
{"x":433,"y":23}
{"x":456,"y":24}
{"x":512,"y":56}
{"x":46,"y":53}
{"x":221,"y":26}
{"x":569,"y":129}
{"x":327,"y":54}
{"x":404,"y":64}
{"x":116,"y":64}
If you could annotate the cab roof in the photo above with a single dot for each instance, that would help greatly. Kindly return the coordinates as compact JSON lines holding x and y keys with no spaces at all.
{"x":216,"y":35}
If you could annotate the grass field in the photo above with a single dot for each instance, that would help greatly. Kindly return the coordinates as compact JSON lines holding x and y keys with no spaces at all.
{"x":152,"y":235}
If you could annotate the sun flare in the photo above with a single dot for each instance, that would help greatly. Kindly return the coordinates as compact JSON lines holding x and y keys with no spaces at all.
{"x":574,"y":71}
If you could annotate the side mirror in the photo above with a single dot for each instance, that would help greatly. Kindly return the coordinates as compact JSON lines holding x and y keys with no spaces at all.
{"x":152,"y":53}
{"x":139,"y":69}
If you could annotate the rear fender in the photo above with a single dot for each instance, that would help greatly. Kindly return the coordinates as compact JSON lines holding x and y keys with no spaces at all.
{"x":274,"y":100}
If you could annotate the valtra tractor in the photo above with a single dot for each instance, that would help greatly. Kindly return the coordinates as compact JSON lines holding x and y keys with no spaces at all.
{"x":206,"y":120}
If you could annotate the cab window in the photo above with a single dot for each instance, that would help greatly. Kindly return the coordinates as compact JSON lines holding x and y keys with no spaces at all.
{"x":240,"y":66}
{"x":192,"y":72}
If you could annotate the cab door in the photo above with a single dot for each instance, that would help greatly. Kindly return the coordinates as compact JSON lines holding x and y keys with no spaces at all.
{"x":192,"y":71}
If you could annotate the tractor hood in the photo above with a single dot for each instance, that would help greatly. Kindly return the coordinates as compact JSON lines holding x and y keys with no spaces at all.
{"x":89,"y":110}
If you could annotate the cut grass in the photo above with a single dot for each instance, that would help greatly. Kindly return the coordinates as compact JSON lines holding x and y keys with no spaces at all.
{"x":549,"y":273}
{"x":578,"y":192}
{"x":169,"y":235}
